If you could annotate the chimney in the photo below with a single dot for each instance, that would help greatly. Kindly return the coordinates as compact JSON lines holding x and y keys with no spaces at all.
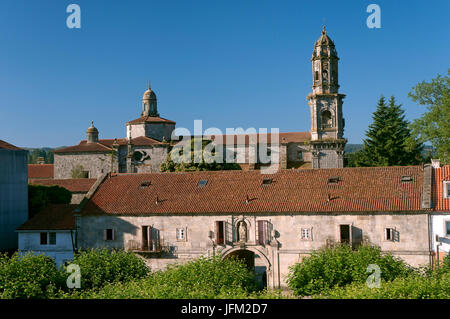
{"x":436,"y":163}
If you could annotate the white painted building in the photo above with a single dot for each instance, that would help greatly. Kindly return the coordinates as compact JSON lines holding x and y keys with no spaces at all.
{"x":50,"y":232}
{"x":440,"y":218}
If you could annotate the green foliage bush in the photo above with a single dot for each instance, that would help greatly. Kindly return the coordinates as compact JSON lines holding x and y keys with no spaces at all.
{"x":40,"y":196}
{"x":28,"y":277}
{"x":203,"y":278}
{"x":435,"y":286}
{"x":339,"y":266}
{"x":99,"y":267}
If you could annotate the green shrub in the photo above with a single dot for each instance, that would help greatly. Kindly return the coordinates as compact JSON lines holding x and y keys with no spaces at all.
{"x":415,"y":286}
{"x":29,"y":276}
{"x":340,"y":266}
{"x":203,"y":278}
{"x":99,"y":267}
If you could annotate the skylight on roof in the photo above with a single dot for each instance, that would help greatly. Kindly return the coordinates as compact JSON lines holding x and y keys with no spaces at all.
{"x":145,"y":184}
{"x":267,"y":181}
{"x":202,"y":183}
{"x":333,"y":180}
{"x":407,"y":178}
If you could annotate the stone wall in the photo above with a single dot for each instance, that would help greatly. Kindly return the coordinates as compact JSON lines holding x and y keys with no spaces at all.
{"x":285,"y":249}
{"x":95,"y":163}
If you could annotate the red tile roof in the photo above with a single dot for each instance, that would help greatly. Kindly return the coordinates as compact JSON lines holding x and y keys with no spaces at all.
{"x":440,"y":175}
{"x":74,"y":185}
{"x":241,"y":139}
{"x":359,"y":190}
{"x":85,"y":147}
{"x":150,"y":119}
{"x":7,"y":146}
{"x":53,"y":217}
{"x":40,"y":171}
{"x":244,"y":139}
{"x":105,"y":145}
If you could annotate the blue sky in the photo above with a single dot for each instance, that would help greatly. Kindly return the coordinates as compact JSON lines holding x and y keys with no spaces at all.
{"x":229,"y":63}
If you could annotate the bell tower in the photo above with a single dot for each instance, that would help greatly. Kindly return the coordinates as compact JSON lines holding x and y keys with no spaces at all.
{"x":325,"y":103}
{"x":149,"y":103}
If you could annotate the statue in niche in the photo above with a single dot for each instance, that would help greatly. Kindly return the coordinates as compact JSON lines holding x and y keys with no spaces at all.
{"x":242,"y":231}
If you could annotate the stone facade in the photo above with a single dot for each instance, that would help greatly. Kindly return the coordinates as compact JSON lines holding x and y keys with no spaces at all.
{"x":94,"y":163}
{"x":285,"y":245}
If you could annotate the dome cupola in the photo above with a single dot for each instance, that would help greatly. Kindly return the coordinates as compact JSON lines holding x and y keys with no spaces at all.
{"x":149,"y":103}
{"x":92,"y":134}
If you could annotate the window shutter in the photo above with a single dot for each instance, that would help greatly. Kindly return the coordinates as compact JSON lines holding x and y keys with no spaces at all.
{"x":113,"y":231}
{"x":105,"y":234}
{"x":228,"y":233}
{"x":396,"y":235}
{"x":262,"y":232}
{"x":149,"y":238}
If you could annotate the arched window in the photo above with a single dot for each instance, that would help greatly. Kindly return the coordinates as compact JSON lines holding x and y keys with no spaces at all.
{"x":326,"y":119}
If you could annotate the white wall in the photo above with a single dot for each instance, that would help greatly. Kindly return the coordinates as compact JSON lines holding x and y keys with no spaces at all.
{"x":438,"y":228}
{"x":30,"y":241}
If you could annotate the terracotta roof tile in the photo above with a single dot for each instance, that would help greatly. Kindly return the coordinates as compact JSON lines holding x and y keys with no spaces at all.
{"x":80,"y":185}
{"x":241,"y":139}
{"x":359,"y":190}
{"x":40,"y":171}
{"x":105,"y":145}
{"x":85,"y":147}
{"x":7,"y":146}
{"x":440,"y":175}
{"x":53,"y":217}
{"x":150,"y":119}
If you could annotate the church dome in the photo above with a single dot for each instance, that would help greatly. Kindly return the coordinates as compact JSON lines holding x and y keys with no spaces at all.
{"x":324,"y":46}
{"x":92,"y":128}
{"x":149,"y":94}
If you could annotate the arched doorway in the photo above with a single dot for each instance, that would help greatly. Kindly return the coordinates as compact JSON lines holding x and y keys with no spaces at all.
{"x":255,"y":262}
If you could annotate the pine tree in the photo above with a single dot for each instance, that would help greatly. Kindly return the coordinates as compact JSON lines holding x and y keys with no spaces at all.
{"x":389,"y":141}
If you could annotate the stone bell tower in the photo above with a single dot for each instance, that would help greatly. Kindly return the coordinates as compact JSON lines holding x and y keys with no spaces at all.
{"x":149,"y":103}
{"x":325,"y":103}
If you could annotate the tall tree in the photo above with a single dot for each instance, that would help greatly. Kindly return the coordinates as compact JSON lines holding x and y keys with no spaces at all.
{"x":389,"y":141}
{"x":434,"y":125}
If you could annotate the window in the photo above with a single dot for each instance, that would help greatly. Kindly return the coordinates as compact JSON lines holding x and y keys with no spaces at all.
{"x":446,"y":189}
{"x":145,"y":184}
{"x":326,"y":119}
{"x":267,"y":181}
{"x":146,"y":232}
{"x":52,"y":238}
{"x":305,"y":234}
{"x":391,"y":234}
{"x":220,"y":232}
{"x":85,"y":174}
{"x":43,"y":238}
{"x":263,"y":232}
{"x":109,"y":234}
{"x":447,"y":228}
{"x":300,"y":156}
{"x":345,"y":234}
{"x":181,"y":234}
{"x":202,"y":183}
{"x":406,"y":178}
{"x":333,"y":180}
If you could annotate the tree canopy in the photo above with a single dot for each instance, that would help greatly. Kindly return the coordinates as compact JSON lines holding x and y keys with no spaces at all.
{"x":195,"y":160}
{"x":389,"y":141}
{"x":434,"y":125}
